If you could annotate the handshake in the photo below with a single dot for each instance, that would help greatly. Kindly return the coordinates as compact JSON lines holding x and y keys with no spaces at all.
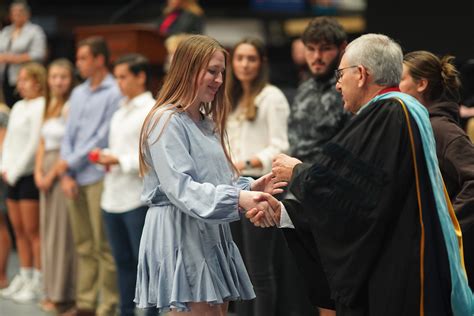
{"x":261,"y":208}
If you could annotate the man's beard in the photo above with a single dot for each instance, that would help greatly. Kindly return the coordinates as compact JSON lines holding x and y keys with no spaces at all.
{"x":329,"y":72}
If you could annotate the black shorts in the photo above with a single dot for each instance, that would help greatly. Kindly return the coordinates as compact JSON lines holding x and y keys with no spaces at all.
{"x":24,"y":189}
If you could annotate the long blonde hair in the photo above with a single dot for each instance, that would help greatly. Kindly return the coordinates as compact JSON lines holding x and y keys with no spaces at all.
{"x":180,"y":90}
{"x":54,"y":109}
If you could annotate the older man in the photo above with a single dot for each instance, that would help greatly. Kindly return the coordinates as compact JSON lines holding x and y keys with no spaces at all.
{"x":374,"y":202}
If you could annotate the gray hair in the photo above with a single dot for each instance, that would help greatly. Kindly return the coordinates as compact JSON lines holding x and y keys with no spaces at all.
{"x":380,"y":55}
{"x":21,"y":3}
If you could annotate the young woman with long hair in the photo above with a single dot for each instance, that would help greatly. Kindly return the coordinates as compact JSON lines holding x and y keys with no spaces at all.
{"x":187,"y":260}
{"x":257,"y":129}
{"x":58,"y":261}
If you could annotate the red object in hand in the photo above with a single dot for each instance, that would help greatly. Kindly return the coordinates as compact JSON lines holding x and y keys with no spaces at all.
{"x":94,"y":156}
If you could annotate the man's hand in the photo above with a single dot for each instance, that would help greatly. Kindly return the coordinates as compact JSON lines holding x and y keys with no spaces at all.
{"x":282,"y":167}
{"x":268,"y":184}
{"x":69,"y":187}
{"x":258,"y":200}
{"x":258,"y":217}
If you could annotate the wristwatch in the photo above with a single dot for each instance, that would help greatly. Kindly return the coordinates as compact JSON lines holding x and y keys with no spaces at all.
{"x":248,"y":164}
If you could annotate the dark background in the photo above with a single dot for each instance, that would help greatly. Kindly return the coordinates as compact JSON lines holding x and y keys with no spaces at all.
{"x":443,"y":27}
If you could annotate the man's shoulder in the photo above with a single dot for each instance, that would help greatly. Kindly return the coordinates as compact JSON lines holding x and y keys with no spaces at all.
{"x":388,"y":110}
{"x":389,"y":105}
{"x":78,"y":90}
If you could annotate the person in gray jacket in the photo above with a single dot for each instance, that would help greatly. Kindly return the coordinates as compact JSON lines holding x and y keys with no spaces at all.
{"x":20,"y":42}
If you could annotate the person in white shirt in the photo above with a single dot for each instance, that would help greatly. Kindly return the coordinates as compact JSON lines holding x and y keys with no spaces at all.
{"x":19,"y":148}
{"x":57,"y":259}
{"x":257,"y":130}
{"x":123,"y":212}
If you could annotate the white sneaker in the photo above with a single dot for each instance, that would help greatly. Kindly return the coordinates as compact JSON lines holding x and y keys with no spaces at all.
{"x":27,"y":294}
{"x":16,"y":285}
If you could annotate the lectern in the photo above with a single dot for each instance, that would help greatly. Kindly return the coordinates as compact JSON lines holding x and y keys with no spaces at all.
{"x":131,"y":38}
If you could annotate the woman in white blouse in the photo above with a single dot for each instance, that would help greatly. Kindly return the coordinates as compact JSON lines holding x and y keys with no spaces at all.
{"x":124,"y":213}
{"x":57,"y":259}
{"x":257,"y":130}
{"x":19,"y":148}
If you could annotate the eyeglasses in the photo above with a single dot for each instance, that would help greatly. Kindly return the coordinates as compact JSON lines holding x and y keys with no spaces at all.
{"x":339,"y":72}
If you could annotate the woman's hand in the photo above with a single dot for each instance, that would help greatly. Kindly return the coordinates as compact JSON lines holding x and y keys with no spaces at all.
{"x":39,"y":181}
{"x":257,"y":217}
{"x":240,"y":165}
{"x":102,"y":157}
{"x":47,"y":182}
{"x":249,"y":200}
{"x":268,"y":184}
{"x":69,"y":187}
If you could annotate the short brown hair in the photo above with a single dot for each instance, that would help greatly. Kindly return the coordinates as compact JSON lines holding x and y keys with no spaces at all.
{"x":324,"y":30}
{"x":98,"y":46}
{"x":136,"y":63}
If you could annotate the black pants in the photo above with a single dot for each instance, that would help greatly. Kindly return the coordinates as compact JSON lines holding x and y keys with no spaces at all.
{"x":10,"y":94}
{"x":258,"y":248}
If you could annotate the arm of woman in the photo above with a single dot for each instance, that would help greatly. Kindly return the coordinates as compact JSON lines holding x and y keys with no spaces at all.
{"x":38,"y":173}
{"x":30,"y":144}
{"x":177,"y":173}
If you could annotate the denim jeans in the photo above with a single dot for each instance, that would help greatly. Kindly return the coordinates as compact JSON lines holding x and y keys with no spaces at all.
{"x":124,"y":231}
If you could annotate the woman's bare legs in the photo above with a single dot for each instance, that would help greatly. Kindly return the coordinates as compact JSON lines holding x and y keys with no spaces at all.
{"x":5,"y":246}
{"x":24,"y":216}
{"x":203,"y":309}
{"x":25,"y":254}
{"x":29,"y":210}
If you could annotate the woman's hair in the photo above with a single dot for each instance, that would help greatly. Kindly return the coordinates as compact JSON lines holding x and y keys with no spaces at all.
{"x":188,"y":5}
{"x":54,"y":106}
{"x":234,"y":87}
{"x":180,"y":90}
{"x":380,"y":55}
{"x":441,"y":74}
{"x":37,"y":72}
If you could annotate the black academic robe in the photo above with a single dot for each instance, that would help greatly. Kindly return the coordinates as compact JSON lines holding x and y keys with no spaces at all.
{"x":358,"y":225}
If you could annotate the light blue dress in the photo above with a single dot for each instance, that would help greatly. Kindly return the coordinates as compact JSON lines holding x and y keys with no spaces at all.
{"x":186,"y":252}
